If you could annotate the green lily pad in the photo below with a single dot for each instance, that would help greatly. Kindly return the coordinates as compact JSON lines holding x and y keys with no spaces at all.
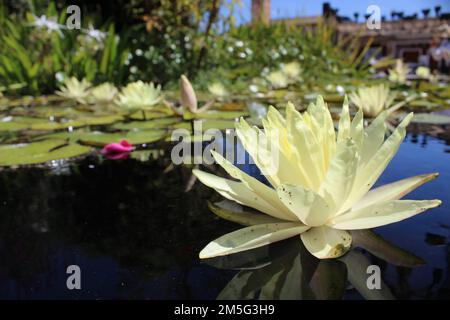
{"x":160,"y":113}
{"x":39,"y":152}
{"x":432,"y":118}
{"x":30,"y":123}
{"x":215,"y":114}
{"x":142,"y":125}
{"x":97,"y":138}
{"x":12,"y":126}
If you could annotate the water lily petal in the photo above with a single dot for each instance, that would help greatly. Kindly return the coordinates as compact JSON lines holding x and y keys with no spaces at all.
{"x":255,"y":144}
{"x":394,"y":191}
{"x":380,"y":214}
{"x":373,"y":138}
{"x":232,"y":211}
{"x":307,"y":205}
{"x":344,"y":123}
{"x":251,"y":237}
{"x":320,"y":112}
{"x":369,"y":174}
{"x":238,"y":192}
{"x":259,"y":188}
{"x":357,"y":128}
{"x":341,"y":174}
{"x":301,"y":136}
{"x":326,"y":243}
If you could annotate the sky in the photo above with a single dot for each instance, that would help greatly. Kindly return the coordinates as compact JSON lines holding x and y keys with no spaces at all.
{"x":293,"y":8}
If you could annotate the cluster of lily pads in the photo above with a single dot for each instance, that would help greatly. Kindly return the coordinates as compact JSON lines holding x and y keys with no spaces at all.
{"x":81,"y":116}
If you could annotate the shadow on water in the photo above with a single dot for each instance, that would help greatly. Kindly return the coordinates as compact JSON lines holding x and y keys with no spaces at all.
{"x":135,"y":233}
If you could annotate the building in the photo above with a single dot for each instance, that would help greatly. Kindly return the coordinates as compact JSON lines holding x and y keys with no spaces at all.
{"x":415,"y":40}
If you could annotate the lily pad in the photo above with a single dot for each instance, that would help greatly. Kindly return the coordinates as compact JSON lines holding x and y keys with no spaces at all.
{"x":432,"y":118}
{"x":39,"y":152}
{"x":142,"y":125}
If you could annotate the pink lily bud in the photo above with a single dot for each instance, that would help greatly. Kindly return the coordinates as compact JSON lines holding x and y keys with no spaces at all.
{"x":116,"y":150}
{"x":187,"y":94}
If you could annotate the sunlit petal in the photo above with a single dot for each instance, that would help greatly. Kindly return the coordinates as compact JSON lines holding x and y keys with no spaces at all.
{"x":250,"y":238}
{"x":325,"y":243}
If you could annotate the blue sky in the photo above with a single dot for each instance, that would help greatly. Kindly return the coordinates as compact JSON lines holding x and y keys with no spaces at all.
{"x":292,"y":8}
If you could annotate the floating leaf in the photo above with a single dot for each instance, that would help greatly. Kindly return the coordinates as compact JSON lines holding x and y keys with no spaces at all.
{"x":39,"y":152}
{"x":432,"y":118}
{"x":142,"y":125}
{"x":97,"y":138}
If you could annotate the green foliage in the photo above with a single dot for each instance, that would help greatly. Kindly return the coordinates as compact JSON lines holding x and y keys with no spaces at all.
{"x":32,"y":56}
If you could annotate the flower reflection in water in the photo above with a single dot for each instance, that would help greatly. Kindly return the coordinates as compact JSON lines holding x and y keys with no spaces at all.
{"x":288,"y":271}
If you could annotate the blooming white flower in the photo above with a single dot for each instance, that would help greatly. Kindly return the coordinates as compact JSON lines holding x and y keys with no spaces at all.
{"x":139,"y":95}
{"x":373,"y":100}
{"x":292,"y":70}
{"x":96,"y":34}
{"x":399,"y":73}
{"x":277,"y":79}
{"x":73,"y":89}
{"x":423,"y":72}
{"x":218,"y":89}
{"x":50,"y":24}
{"x":104,"y":93}
{"x":322,"y":185}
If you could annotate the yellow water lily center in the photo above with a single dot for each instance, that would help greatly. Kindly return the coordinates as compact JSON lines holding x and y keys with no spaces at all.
{"x":321,"y":187}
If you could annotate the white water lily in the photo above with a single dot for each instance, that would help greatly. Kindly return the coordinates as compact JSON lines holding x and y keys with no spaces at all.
{"x":399,"y":72}
{"x":277,"y":79}
{"x":423,"y":72}
{"x":218,"y":90}
{"x":139,"y":95}
{"x":373,"y":100}
{"x":292,"y":70}
{"x":104,"y":93}
{"x":320,"y":189}
{"x":73,"y":89}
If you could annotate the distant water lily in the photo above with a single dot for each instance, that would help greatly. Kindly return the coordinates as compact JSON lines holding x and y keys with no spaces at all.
{"x":292,"y":70}
{"x":139,"y":95}
{"x":74,"y":89}
{"x":218,"y":90}
{"x":101,"y":94}
{"x":116,"y":151}
{"x":277,"y":79}
{"x":320,"y":189}
{"x":399,"y":73}
{"x":423,"y":72}
{"x":373,"y":100}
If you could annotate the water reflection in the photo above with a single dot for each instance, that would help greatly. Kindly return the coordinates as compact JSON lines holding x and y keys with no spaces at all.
{"x":136,"y":233}
{"x":288,"y":271}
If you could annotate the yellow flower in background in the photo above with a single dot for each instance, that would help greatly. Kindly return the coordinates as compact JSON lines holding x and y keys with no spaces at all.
{"x":104,"y":93}
{"x":217,"y":89}
{"x":399,"y":73}
{"x":277,"y":79}
{"x":322,"y":185}
{"x":139,"y":95}
{"x":373,"y":100}
{"x":423,"y":72}
{"x":73,"y":89}
{"x":292,"y":70}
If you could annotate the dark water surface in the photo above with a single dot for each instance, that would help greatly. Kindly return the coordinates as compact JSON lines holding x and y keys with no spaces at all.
{"x":136,"y":234}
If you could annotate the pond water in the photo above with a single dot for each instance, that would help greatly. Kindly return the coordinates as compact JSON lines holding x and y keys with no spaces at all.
{"x":135,"y":233}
